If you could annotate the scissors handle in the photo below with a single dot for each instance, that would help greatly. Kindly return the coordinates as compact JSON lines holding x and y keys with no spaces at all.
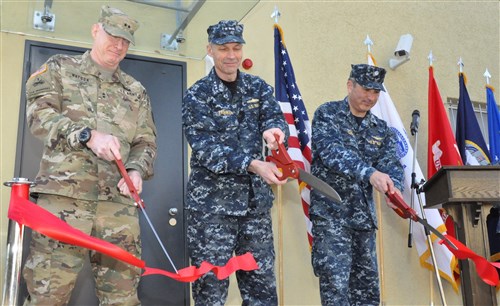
{"x":283,"y":161}
{"x":403,"y":210}
{"x":130,"y":185}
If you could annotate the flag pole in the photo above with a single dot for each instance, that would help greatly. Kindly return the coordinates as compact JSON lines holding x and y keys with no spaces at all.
{"x":431,"y":286}
{"x":368,"y":42}
{"x":281,"y":291}
{"x":281,"y":295}
{"x":381,"y":250}
{"x":416,"y":189}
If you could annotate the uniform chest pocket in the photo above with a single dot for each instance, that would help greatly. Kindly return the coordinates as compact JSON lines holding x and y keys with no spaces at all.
{"x":249,"y":115}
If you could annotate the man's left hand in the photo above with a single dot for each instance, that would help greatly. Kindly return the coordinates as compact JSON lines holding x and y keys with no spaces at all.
{"x":136,"y":179}
{"x":270,"y":138}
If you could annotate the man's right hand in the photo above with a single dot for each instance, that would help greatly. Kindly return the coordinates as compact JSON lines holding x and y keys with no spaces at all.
{"x":268,"y":171}
{"x":105,"y":146}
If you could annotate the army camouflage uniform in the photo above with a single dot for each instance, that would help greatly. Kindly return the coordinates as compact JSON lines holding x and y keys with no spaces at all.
{"x":345,"y":155}
{"x":67,"y":94}
{"x":229,"y":207}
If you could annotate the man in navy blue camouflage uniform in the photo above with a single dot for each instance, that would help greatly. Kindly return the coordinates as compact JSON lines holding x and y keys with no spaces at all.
{"x":226,"y":116}
{"x":354,"y":152}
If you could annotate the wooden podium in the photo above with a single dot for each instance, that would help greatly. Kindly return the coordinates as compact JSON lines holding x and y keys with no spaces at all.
{"x":467,"y":193}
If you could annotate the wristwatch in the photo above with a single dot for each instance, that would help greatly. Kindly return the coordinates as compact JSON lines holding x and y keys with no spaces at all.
{"x":84,"y":136}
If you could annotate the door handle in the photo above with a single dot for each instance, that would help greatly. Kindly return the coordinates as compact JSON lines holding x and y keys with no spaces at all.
{"x":173,"y":211}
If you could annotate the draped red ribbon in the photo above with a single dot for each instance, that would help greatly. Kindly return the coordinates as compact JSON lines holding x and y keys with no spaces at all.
{"x":485,"y":269}
{"x":31,"y":215}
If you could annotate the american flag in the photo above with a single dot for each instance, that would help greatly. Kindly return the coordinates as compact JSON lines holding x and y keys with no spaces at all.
{"x":292,"y":105}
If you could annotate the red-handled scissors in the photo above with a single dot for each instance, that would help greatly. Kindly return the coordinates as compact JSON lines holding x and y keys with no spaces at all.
{"x":290,"y":169}
{"x":405,"y":212}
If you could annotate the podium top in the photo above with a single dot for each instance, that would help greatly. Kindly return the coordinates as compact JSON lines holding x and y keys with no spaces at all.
{"x":461,"y":184}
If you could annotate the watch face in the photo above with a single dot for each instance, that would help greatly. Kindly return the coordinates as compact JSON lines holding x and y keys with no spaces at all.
{"x":84,"y":136}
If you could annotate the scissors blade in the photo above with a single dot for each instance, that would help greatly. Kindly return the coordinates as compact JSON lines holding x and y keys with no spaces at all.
{"x":435,"y":231}
{"x":319,"y":185}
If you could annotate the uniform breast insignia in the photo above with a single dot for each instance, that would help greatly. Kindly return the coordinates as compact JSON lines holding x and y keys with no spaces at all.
{"x":225,"y":112}
{"x":40,"y":70}
{"x":253,"y":103}
{"x":374,"y":140}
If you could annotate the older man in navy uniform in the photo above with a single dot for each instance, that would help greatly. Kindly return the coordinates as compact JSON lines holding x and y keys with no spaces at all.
{"x":225,"y":116}
{"x":354,"y":152}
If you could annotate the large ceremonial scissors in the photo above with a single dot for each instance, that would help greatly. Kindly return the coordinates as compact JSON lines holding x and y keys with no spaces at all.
{"x":405,"y":212}
{"x":140,"y":204}
{"x":290,"y":169}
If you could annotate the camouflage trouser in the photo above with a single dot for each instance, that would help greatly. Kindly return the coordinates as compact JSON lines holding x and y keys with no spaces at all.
{"x":345,"y":261}
{"x":52,"y":266}
{"x":214,"y":238}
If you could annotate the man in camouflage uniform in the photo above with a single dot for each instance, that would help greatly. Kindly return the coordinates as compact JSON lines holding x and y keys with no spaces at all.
{"x":88,"y":112}
{"x":225,"y":116}
{"x":354,"y":152}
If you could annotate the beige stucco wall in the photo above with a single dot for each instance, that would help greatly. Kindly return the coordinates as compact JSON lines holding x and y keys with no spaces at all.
{"x":323,"y":39}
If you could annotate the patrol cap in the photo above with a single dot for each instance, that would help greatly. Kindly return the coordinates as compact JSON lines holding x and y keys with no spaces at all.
{"x":117,"y":23}
{"x":368,"y":76}
{"x":226,"y":31}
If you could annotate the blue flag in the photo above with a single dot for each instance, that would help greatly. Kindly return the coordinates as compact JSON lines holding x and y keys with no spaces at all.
{"x":493,"y":125}
{"x":470,"y":140}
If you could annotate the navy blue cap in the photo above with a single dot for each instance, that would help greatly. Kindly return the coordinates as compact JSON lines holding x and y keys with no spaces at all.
{"x":226,"y":31}
{"x":368,"y":76}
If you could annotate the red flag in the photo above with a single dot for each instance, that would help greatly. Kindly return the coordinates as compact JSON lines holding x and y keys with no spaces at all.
{"x":442,"y":147}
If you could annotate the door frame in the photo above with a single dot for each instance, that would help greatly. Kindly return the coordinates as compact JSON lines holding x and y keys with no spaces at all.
{"x":22,"y":129}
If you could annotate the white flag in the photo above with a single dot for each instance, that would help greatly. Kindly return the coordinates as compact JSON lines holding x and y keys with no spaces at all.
{"x":385,"y":109}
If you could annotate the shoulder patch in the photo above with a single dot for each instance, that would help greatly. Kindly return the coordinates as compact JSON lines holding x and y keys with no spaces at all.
{"x":40,"y":70}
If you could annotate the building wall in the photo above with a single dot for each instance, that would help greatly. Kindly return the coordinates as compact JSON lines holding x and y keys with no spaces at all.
{"x":323,"y":38}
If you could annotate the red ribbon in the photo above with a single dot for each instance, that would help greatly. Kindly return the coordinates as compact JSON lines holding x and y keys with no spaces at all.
{"x":244,"y":262}
{"x":31,"y":215}
{"x":485,"y":269}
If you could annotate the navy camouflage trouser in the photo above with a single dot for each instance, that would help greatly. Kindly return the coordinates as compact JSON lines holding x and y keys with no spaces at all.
{"x":345,"y":260}
{"x":214,"y":238}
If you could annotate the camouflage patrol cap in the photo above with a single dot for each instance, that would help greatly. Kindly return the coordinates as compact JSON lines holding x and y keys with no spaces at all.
{"x":368,"y":76}
{"x":226,"y":31}
{"x":117,"y":23}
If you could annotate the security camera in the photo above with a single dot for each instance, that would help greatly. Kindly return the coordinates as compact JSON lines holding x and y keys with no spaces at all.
{"x":180,"y":37}
{"x":404,"y":45}
{"x":402,"y":52}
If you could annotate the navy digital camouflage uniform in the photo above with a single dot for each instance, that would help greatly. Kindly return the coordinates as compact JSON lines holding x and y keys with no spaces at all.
{"x":345,"y":155}
{"x":229,"y":207}
{"x":67,"y":94}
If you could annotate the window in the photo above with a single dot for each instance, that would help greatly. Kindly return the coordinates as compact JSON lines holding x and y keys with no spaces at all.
{"x":479,"y":109}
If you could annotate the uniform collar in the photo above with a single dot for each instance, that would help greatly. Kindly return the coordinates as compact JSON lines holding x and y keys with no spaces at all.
{"x":218,"y":87}
{"x":90,"y":67}
{"x":370,"y":119}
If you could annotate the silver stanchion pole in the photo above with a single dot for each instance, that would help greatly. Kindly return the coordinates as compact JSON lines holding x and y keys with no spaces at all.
{"x":12,"y":279}
{"x":416,"y":189}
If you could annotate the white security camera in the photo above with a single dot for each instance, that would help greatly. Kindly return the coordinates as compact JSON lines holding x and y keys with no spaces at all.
{"x":402,"y":52}
{"x":404,"y":45}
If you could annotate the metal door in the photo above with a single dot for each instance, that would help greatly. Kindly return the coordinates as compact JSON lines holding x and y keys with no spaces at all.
{"x":165,"y":82}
